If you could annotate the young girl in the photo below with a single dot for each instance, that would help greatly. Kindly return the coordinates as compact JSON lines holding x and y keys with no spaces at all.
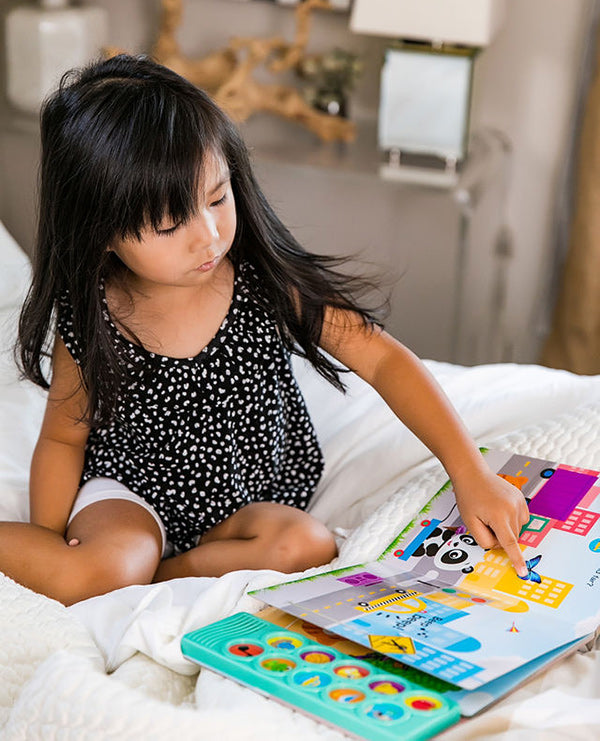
{"x":176,"y":441}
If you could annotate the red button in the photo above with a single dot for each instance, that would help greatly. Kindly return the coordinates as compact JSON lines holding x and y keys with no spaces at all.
{"x":245,"y":649}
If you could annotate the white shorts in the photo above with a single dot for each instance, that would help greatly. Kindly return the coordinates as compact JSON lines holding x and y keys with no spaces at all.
{"x":97,"y":490}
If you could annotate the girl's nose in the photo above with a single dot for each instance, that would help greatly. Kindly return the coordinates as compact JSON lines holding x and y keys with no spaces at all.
{"x":204,"y":230}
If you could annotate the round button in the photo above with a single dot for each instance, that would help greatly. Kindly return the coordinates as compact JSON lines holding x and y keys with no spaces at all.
{"x":351,"y":671}
{"x":347,"y":695}
{"x":317,"y":657}
{"x":277,"y":664}
{"x":245,"y":649}
{"x":385,"y":712}
{"x":312,"y":680}
{"x":423,"y":703}
{"x":284,"y":643}
{"x":385,"y":687}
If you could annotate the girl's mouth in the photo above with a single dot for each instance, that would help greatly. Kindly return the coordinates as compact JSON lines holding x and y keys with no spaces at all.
{"x":206,"y":266}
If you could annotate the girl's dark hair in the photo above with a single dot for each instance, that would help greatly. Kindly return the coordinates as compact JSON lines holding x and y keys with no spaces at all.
{"x":124,"y":143}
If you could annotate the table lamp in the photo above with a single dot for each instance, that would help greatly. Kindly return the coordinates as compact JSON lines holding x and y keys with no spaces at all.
{"x":426,"y":79}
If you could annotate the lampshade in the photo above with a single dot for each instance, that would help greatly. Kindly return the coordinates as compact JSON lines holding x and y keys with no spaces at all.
{"x":468,"y":22}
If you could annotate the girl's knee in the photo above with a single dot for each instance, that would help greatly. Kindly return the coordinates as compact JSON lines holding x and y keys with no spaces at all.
{"x":302,"y":544}
{"x":88,"y":573}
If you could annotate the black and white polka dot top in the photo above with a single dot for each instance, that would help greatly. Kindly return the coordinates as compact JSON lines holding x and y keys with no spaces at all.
{"x":199,"y":438}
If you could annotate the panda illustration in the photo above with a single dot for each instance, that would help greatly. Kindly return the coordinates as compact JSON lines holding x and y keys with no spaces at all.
{"x":451,"y":550}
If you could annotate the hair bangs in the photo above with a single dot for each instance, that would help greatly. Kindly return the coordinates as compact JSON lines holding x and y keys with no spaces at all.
{"x":152,"y":157}
{"x":165,"y":167}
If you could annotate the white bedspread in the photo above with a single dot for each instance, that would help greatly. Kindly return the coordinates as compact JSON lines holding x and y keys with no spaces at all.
{"x":110,"y":667}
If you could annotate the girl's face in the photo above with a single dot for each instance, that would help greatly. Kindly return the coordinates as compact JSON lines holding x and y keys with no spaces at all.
{"x":186,"y":254}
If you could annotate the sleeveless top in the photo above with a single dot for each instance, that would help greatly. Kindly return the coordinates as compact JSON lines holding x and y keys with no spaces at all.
{"x":199,"y":438}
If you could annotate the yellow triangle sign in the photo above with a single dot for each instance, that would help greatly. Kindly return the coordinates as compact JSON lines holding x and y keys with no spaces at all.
{"x":392,"y":644}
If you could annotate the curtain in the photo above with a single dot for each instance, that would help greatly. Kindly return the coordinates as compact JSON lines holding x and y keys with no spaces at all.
{"x":574,"y":339}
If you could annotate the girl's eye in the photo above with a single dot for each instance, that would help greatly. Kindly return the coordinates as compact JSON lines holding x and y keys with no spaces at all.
{"x":170,"y":230}
{"x":221,"y":200}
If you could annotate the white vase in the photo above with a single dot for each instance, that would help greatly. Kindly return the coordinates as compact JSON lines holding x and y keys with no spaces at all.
{"x":43,"y":41}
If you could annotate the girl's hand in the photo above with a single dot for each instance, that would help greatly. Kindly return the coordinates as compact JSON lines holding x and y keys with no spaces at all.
{"x":494,"y":511}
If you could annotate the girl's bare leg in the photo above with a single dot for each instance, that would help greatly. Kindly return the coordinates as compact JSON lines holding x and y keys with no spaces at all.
{"x":119,"y":544}
{"x":262,"y":535}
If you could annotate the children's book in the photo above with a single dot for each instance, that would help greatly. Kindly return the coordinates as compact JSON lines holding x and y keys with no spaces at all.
{"x":437,"y":602}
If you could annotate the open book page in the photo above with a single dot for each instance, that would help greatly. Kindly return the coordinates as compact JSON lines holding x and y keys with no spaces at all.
{"x":438,"y":602}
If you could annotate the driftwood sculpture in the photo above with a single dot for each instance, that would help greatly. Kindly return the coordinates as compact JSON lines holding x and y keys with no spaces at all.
{"x":227,"y":74}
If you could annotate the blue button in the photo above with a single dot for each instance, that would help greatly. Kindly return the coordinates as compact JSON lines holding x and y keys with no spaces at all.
{"x":312,"y":680}
{"x":385,"y":712}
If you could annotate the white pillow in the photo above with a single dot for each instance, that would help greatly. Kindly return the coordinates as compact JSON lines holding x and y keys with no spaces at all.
{"x":14,"y":270}
{"x":21,"y":403}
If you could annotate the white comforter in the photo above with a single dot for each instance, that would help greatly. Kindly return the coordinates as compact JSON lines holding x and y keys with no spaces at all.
{"x":110,"y":667}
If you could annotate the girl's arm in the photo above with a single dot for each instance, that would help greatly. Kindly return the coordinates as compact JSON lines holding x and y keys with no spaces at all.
{"x":492,"y":509}
{"x":58,"y":457}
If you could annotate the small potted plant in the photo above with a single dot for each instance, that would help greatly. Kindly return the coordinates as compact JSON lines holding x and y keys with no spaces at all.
{"x":331,"y":77}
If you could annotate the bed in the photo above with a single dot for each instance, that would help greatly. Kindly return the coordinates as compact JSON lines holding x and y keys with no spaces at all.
{"x":110,"y":667}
